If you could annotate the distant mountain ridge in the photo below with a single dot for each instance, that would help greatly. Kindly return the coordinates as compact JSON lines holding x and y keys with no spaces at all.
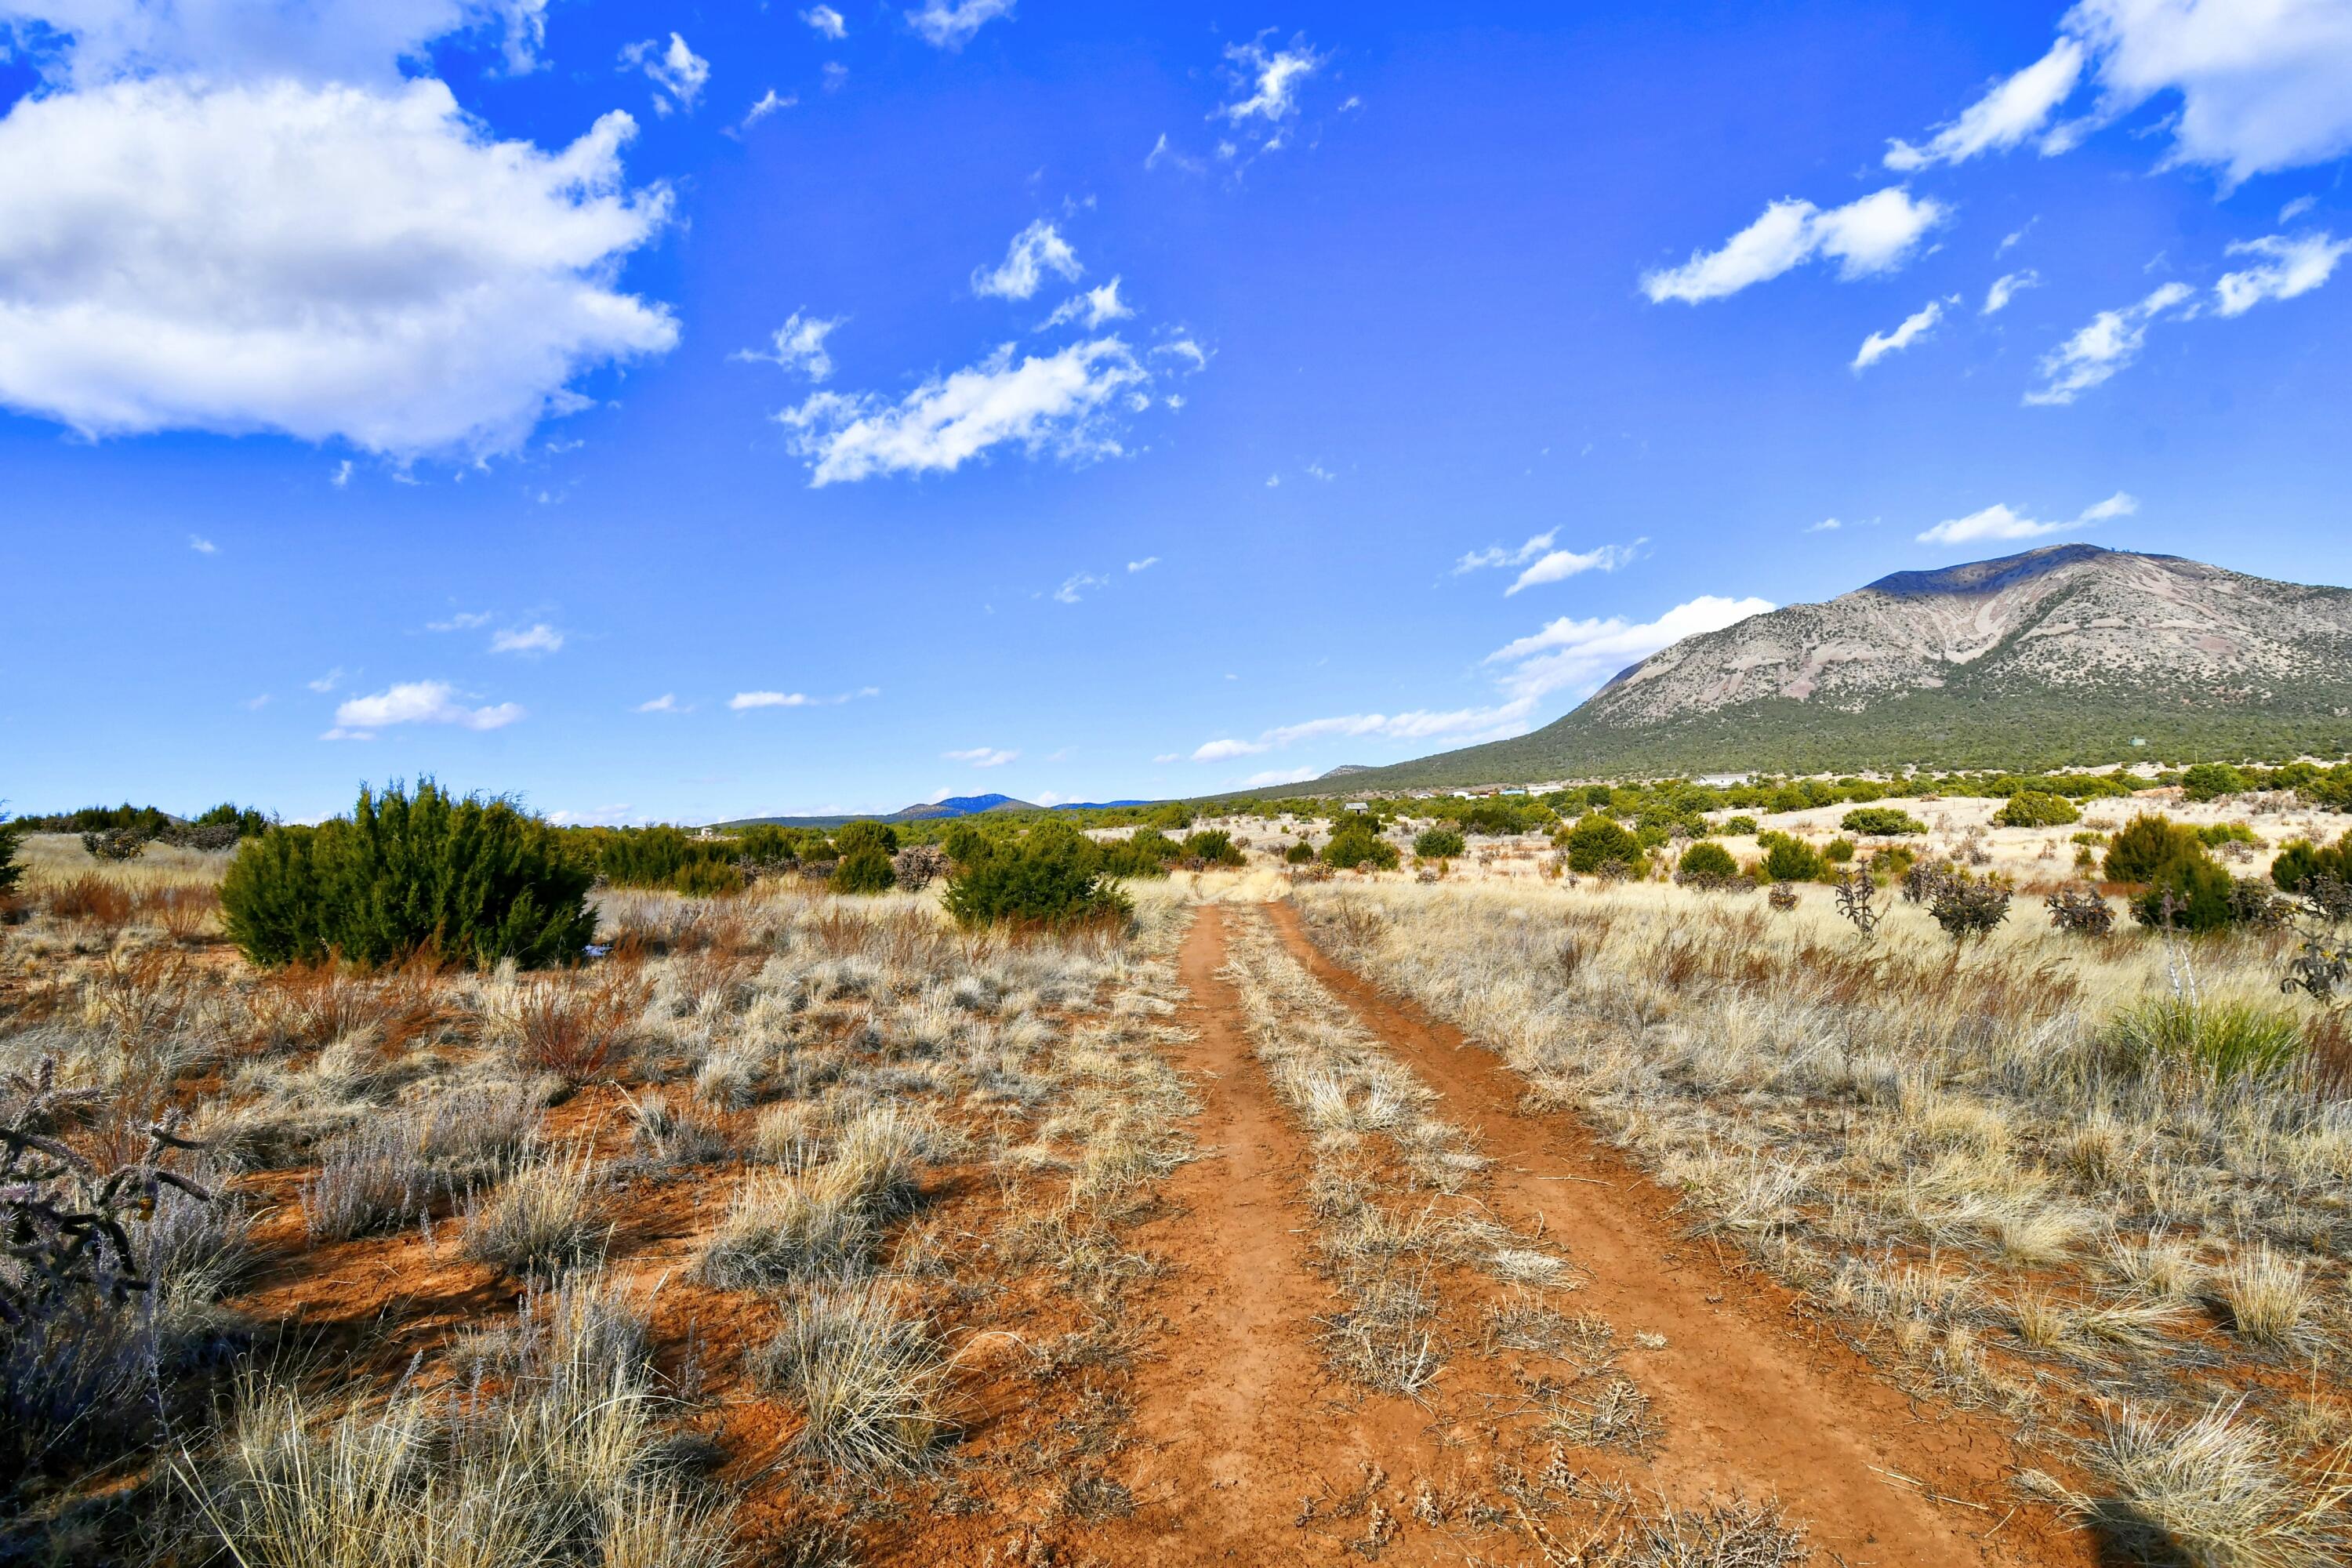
{"x":930,"y":811}
{"x":2060,"y":655}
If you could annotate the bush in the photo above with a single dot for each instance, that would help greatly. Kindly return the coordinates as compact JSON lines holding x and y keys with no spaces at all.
{"x":1838,"y":851}
{"x":859,"y":836}
{"x":1049,"y":878}
{"x":247,"y":820}
{"x":1880,"y":822}
{"x":2296,"y":865}
{"x":466,"y":881}
{"x":2220,"y":1041}
{"x":2080,"y":908}
{"x":766,"y":844}
{"x":1736,"y":826}
{"x":1440,"y":843}
{"x":1357,"y":843}
{"x":2147,"y":844}
{"x":2212,"y":781}
{"x":114,"y":843}
{"x":1708,"y":864}
{"x":1142,"y":854}
{"x":9,"y":869}
{"x":1299,"y":854}
{"x":2213,"y":835}
{"x":2036,"y":808}
{"x":918,"y":866}
{"x":865,"y":868}
{"x":1596,"y":841}
{"x":654,"y":857}
{"x":708,"y":878}
{"x":1788,"y":859}
{"x":1495,"y":817}
{"x":1966,"y":908}
{"x":1212,"y":847}
{"x":2191,"y":894}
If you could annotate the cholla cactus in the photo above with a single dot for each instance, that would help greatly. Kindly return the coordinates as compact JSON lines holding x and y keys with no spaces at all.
{"x":1857,"y":902}
{"x":917,"y":864}
{"x":1966,"y":908}
{"x":2080,"y":908}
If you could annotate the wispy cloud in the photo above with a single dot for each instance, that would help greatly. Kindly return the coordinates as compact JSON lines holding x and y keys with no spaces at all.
{"x":677,"y":73}
{"x":827,"y":21}
{"x":202,"y":545}
{"x":1559,"y":565}
{"x":1997,"y":521}
{"x":2287,"y":268}
{"x":1916,"y":325}
{"x":1269,"y":79}
{"x":1093,"y":307}
{"x":414,"y":702}
{"x":1872,"y":235}
{"x":327,"y":681}
{"x":2015,"y":108}
{"x":1826,"y":525}
{"x":949,"y":23}
{"x":1075,"y":586}
{"x":537,"y":639}
{"x":1497,"y":555}
{"x":798,"y":346}
{"x":767,"y":103}
{"x":2007,"y":287}
{"x":1575,"y":655}
{"x":1146,"y":565}
{"x":981,"y":756}
{"x":743,"y":700}
{"x":1034,"y":252}
{"x":463,"y":621}
{"x":666,"y":703}
{"x":1279,"y":777}
{"x":2112,"y":340}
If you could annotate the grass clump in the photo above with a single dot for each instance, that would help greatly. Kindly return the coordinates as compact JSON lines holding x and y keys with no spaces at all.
{"x":870,"y":1383}
{"x":2218,"y":1042}
{"x":466,"y":880}
{"x":2212,"y":1491}
{"x":542,"y":1219}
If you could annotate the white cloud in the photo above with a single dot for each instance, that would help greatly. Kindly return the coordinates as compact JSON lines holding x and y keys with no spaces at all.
{"x":341,"y":477}
{"x":361,"y":41}
{"x":614,"y":816}
{"x":1496,"y":555}
{"x":949,"y":23}
{"x":202,"y":545}
{"x":2007,"y":287}
{"x":1034,"y":251}
{"x":1317,"y":471}
{"x":1162,"y":152}
{"x":463,"y":621}
{"x":677,"y":73}
{"x":1271,"y":78}
{"x":2289,"y":267}
{"x":1279,"y":777}
{"x":981,"y":757}
{"x":1870,"y":235}
{"x":769,"y":103}
{"x":799,"y":345}
{"x":327,"y":681}
{"x":1074,"y":587}
{"x":666,"y":703}
{"x":1997,"y":521}
{"x":2296,"y":209}
{"x":538,"y":638}
{"x":2111,"y":341}
{"x":1095,"y":306}
{"x":1578,"y":654}
{"x":325,"y":260}
{"x":1058,"y":404}
{"x":1225,"y":750}
{"x":836,"y":75}
{"x":1826,"y":525}
{"x":826,"y":21}
{"x":1185,"y":349}
{"x":1878,"y":345}
{"x":1167,"y":757}
{"x":2262,"y":85}
{"x":743,"y":700}
{"x":1559,"y":565}
{"x":2014,"y":109}
{"x":414,"y":702}
{"x":1146,"y":565}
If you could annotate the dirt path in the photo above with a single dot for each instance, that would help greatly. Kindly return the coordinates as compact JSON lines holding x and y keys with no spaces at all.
{"x":1238,"y":1423}
{"x":1754,"y":1396}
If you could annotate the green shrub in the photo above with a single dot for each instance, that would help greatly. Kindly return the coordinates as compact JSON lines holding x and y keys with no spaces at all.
{"x":1439,"y":843}
{"x":1880,"y":822}
{"x":1356,"y":844}
{"x":1495,"y":817}
{"x":1595,"y":841}
{"x":2212,"y":781}
{"x":859,"y":836}
{"x":1048,"y":879}
{"x":1705,"y":862}
{"x":768,"y":843}
{"x":864,"y":869}
{"x":9,"y":869}
{"x":2213,"y":835}
{"x":654,"y":857}
{"x":469,"y":880}
{"x":1299,"y":854}
{"x":2300,"y":861}
{"x":1174,"y":815}
{"x":707,"y":878}
{"x":2036,"y":808}
{"x":2216,"y":1040}
{"x":1838,"y":851}
{"x":2146,"y":844}
{"x":247,"y":820}
{"x":1214,"y":847}
{"x":1737,"y":826}
{"x":1143,"y":854}
{"x":1789,"y":858}
{"x":2199,"y":892}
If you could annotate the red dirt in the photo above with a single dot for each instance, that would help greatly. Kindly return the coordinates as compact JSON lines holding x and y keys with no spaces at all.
{"x":1755,"y":1395}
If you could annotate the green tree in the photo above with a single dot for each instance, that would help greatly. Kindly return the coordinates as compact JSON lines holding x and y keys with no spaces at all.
{"x":471,"y":881}
{"x":2212,"y":781}
{"x":1596,"y":841}
{"x":1047,"y":878}
{"x":1356,"y":844}
{"x":864,"y":869}
{"x":859,"y":836}
{"x":1439,"y":843}
{"x":2301,"y":860}
{"x":2147,"y":844}
{"x":1789,"y":860}
{"x":1705,"y":862}
{"x":9,"y":869}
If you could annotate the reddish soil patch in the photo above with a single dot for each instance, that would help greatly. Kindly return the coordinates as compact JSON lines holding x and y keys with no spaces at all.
{"x":1754,"y":1393}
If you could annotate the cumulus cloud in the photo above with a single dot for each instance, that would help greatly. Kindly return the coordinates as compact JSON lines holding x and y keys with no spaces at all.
{"x":1060,"y":405}
{"x":2259,"y":85}
{"x":1916,"y":325}
{"x":2112,"y":340}
{"x":2014,"y":109}
{"x":538,"y":638}
{"x":86,"y":43}
{"x":354,"y":258}
{"x":1034,"y":251}
{"x":827,"y":21}
{"x":1870,"y":235}
{"x":1997,"y":521}
{"x":949,"y":23}
{"x":414,"y":702}
{"x":981,"y":756}
{"x":1279,"y":777}
{"x":2006,"y":287}
{"x":1094,"y":307}
{"x":799,"y":345}
{"x":1269,"y":78}
{"x":677,"y":73}
{"x":2287,"y":268}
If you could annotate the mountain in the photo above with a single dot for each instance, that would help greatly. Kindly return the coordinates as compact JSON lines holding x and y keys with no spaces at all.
{"x":2062,"y":655}
{"x":959,"y":805}
{"x":1343,"y":771}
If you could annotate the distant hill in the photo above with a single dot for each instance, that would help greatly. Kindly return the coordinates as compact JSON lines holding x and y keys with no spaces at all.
{"x":1343,"y":770}
{"x":2058,"y":655}
{"x":959,"y":805}
{"x":931,"y":811}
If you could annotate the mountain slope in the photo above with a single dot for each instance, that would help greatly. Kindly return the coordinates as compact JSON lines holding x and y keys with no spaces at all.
{"x":2059,"y":654}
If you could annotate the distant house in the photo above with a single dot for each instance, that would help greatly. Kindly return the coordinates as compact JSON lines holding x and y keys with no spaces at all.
{"x":1358,"y":805}
{"x":1723,"y":781}
{"x":1515,"y":791}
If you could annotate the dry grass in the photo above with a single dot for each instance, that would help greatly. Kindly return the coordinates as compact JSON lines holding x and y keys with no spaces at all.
{"x":870,"y":1384}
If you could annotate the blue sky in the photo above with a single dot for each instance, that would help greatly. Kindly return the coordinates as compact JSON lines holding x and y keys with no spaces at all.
{"x":692,"y":414}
